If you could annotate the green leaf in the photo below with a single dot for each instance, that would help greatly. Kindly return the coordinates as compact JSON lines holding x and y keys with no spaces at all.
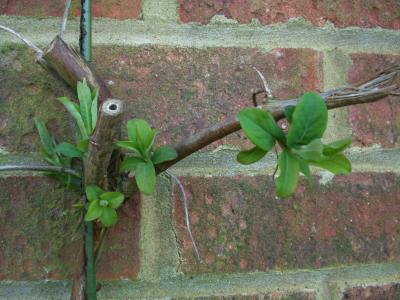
{"x":252,"y":122}
{"x":108,"y":217}
{"x":289,"y":173}
{"x":145,"y":135}
{"x":289,"y":110}
{"x":93,"y":192}
{"x":137,"y":124}
{"x":74,"y":111}
{"x":114,"y":199}
{"x":68,"y":150}
{"x":162,"y":154}
{"x":247,"y":157}
{"x":145,"y":175}
{"x":309,"y":120}
{"x":85,"y":101}
{"x":337,"y":146}
{"x":94,"y":211}
{"x":94,"y":109}
{"x":130,"y":146}
{"x":305,"y":169}
{"x":337,"y":164}
{"x":83,"y":146}
{"x":46,"y":139}
{"x":311,"y":151}
{"x":130,"y":163}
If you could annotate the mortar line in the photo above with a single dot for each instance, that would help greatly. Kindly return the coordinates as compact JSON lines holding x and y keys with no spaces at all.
{"x":138,"y":33}
{"x":260,"y":282}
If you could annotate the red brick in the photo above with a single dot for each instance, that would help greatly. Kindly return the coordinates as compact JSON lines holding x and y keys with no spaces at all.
{"x":353,"y":219}
{"x":385,"y":292}
{"x":179,"y":91}
{"x":117,"y":9}
{"x":268,"y":296}
{"x":342,"y":13}
{"x":121,"y":255}
{"x":182,"y":91}
{"x":37,"y":229}
{"x":39,"y":236}
{"x":379,"y":122}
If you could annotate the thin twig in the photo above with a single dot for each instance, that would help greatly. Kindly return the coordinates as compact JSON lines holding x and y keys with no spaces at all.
{"x":65,"y":18}
{"x":40,"y":168}
{"x":267,"y":89}
{"x":39,"y":52}
{"x":186,"y":211}
{"x":276,"y":167}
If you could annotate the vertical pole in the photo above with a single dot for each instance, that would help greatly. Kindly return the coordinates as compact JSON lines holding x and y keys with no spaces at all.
{"x":85,"y":39}
{"x":85,"y":43}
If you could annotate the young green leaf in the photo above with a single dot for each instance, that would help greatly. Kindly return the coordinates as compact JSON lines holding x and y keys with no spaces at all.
{"x":337,"y":164}
{"x":45,"y":137}
{"x":145,"y":175}
{"x":145,"y":136}
{"x":247,"y":157}
{"x":311,"y":151}
{"x":83,"y":146}
{"x":289,"y":172}
{"x":130,"y":146}
{"x":94,"y":109}
{"x":94,"y":211}
{"x":289,"y":110}
{"x":309,"y":120}
{"x":337,"y":146}
{"x":85,"y":100}
{"x":162,"y":154}
{"x":130,"y":163}
{"x":114,"y":199}
{"x":108,"y":216}
{"x":68,"y":150}
{"x":74,"y":111}
{"x":131,"y":126}
{"x":252,"y":124}
{"x":305,"y":169}
{"x":93,"y":192}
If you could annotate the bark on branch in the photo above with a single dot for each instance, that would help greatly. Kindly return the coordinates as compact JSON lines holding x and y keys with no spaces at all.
{"x":65,"y":63}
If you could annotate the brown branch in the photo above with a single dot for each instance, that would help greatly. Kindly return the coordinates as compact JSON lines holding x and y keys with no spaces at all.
{"x":101,"y":144}
{"x":65,"y":63}
{"x":370,"y":91}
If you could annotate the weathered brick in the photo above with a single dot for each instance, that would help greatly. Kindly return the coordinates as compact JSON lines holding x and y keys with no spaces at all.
{"x":261,"y":296}
{"x":40,"y":237}
{"x":345,"y":13}
{"x":378,"y":122}
{"x":179,"y":91}
{"x":386,"y":292}
{"x":121,"y":255}
{"x":118,"y":9}
{"x":26,"y":91}
{"x":38,"y":229}
{"x":240,"y":225}
{"x":182,"y":91}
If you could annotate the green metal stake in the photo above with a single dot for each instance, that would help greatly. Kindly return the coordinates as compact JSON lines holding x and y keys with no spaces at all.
{"x":85,"y":42}
{"x":85,"y":39}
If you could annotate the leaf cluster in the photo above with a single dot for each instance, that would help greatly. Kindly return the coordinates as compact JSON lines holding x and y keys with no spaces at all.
{"x":301,"y":146}
{"x":103,"y":205}
{"x":144,"y":158}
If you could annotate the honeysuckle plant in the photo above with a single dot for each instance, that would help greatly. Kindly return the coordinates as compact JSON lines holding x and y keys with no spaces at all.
{"x":103,"y":205}
{"x":144,"y":158}
{"x":301,"y":146}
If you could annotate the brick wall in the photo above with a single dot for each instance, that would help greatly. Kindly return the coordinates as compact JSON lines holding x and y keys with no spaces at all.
{"x":184,"y":65}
